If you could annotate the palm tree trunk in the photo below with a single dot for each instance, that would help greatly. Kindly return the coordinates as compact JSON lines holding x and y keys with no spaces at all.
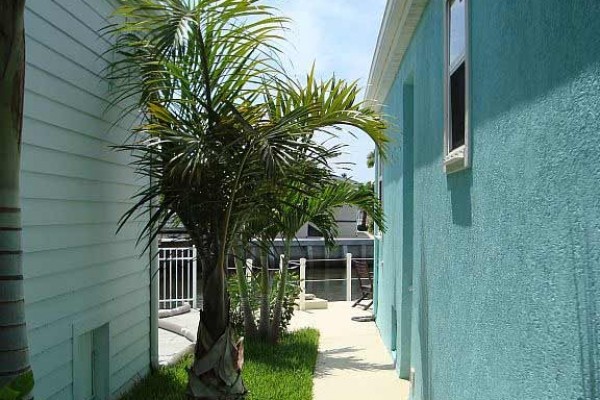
{"x":265,"y":295}
{"x":15,"y":371}
{"x":280,"y":293}
{"x":250,"y":328}
{"x":216,"y":372}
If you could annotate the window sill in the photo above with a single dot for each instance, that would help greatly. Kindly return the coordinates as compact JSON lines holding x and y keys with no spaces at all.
{"x":456,"y":160}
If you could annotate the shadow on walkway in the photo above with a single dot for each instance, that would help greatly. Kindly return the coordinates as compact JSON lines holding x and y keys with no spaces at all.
{"x":352,"y":358}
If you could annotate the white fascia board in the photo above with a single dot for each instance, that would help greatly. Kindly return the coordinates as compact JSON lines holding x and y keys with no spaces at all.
{"x":400,"y":19}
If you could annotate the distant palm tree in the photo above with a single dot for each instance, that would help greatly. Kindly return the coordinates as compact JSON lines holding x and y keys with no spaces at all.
{"x":371,"y":159}
{"x":16,"y":378}
{"x":221,"y":127}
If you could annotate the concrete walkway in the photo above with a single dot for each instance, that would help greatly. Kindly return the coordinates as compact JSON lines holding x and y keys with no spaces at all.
{"x":172,"y":346}
{"x":353,"y":363}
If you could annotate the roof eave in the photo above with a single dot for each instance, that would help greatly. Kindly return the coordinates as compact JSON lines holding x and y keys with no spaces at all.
{"x":400,"y":20}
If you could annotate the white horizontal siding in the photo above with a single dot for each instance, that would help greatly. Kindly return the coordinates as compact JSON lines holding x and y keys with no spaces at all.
{"x":64,"y":261}
{"x":75,"y":189}
{"x":65,"y":394}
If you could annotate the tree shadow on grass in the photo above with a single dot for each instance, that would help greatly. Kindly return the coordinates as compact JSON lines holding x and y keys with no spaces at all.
{"x":292,"y":352}
{"x":271,"y":372}
{"x":164,"y":384}
{"x":283,"y":371}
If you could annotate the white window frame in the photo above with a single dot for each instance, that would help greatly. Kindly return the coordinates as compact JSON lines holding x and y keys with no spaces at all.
{"x":460,"y":158}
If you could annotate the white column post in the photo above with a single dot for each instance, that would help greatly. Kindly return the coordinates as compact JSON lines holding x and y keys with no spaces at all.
{"x":154,"y":260}
{"x":176,"y":297}
{"x":302,"y":284}
{"x":281,"y":257}
{"x":194,"y":279}
{"x":349,"y":277}
{"x":249,"y":269}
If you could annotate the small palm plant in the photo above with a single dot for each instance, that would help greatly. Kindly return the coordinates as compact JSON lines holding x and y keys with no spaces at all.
{"x":288,"y":210}
{"x":318,"y":205}
{"x":221,"y":128}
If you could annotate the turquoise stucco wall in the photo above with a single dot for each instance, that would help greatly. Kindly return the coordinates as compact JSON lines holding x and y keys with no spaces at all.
{"x":505,"y":256}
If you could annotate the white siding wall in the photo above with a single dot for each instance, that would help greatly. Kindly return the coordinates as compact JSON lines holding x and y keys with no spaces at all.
{"x":74,"y":191}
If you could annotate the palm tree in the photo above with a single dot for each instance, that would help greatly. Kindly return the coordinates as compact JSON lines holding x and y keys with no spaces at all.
{"x":317,"y":204}
{"x":312,"y":198}
{"x":371,"y":159}
{"x":16,"y":378}
{"x":220,"y":126}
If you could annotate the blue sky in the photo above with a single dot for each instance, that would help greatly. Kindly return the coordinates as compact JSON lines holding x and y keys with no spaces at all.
{"x":340,"y":35}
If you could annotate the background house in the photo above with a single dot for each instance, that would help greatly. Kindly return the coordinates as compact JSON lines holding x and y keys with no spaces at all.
{"x":348,"y":218}
{"x":349,"y":221}
{"x":87,"y":289}
{"x":487,"y":279}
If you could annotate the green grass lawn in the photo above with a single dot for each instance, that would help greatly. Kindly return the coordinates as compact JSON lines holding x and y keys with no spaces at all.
{"x":281,"y":372}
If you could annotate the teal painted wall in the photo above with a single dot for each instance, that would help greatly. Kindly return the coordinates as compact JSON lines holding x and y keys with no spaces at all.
{"x":506,"y":255}
{"x":78,"y":273}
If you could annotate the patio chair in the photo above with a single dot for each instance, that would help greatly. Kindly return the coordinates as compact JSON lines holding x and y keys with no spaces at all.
{"x":365,"y":282}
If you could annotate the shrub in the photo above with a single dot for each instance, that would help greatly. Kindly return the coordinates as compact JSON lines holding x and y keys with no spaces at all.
{"x":292,"y":290}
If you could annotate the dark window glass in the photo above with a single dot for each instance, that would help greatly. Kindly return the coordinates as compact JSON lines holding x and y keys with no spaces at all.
{"x":314,"y":232}
{"x":457,"y":107}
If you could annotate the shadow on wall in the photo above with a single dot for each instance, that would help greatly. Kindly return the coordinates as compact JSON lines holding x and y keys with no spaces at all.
{"x":426,"y":357}
{"x":586,"y":285}
{"x":459,"y":184}
{"x":541,"y":61}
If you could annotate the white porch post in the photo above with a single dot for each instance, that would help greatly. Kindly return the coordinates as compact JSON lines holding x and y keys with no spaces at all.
{"x":249,"y":269}
{"x":349,"y":277}
{"x":194,"y":278}
{"x":302,"y":284}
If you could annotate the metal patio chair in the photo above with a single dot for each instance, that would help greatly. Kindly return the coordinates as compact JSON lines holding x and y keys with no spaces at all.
{"x":365,"y":282}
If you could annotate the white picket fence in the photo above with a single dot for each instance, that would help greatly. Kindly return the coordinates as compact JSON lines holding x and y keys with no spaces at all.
{"x":177,"y":277}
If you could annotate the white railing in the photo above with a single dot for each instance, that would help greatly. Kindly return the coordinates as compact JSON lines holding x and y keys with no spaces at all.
{"x":177,"y":277}
{"x":347,"y":278}
{"x":301,"y":265}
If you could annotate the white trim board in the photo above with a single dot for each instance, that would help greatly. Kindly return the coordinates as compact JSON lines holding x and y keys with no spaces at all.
{"x":400,"y":20}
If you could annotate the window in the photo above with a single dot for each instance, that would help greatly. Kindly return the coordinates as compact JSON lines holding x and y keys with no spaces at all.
{"x":456,"y":132}
{"x":313,"y":231}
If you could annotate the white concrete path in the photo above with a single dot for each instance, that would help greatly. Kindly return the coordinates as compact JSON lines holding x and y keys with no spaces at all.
{"x":172,"y":346}
{"x":353,"y":363}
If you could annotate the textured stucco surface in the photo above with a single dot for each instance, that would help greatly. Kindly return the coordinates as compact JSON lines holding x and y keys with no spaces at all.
{"x":506,"y":255}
